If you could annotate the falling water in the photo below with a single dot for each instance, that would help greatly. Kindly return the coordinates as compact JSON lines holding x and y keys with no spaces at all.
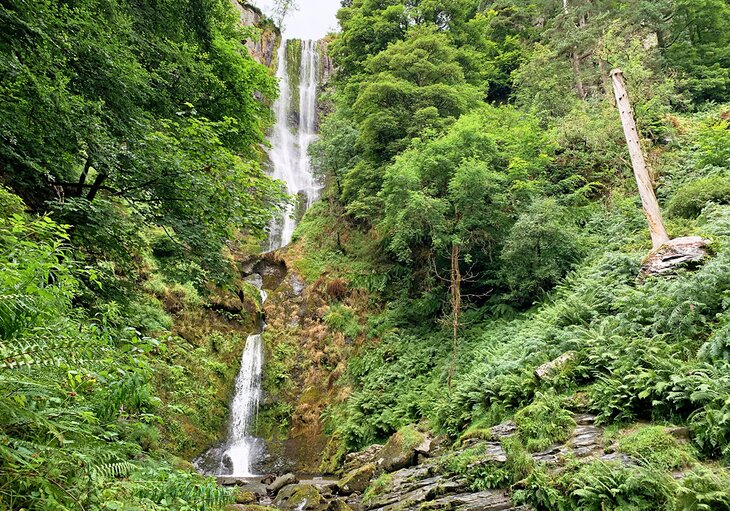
{"x":291,"y":138}
{"x":289,"y":157}
{"x":242,"y":446}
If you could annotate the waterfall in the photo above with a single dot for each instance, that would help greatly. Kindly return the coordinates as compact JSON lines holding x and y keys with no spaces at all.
{"x":242,"y":446}
{"x":294,"y":131}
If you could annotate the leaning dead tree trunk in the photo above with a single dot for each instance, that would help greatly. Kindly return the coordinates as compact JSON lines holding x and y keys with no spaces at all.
{"x":666,"y":254}
{"x":455,"y":289}
{"x":659,"y":234}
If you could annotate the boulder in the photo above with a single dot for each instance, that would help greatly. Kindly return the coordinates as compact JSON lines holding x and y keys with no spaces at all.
{"x":400,"y":449}
{"x":550,"y":368}
{"x":358,"y":459}
{"x":280,"y":482}
{"x":300,"y":497}
{"x":356,"y":481}
{"x":503,"y":430}
{"x":339,"y":505}
{"x":242,"y":496}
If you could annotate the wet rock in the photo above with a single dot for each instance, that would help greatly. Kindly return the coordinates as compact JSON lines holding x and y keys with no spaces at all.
{"x":584,"y":419}
{"x":494,"y":454}
{"x":400,"y":449}
{"x":490,"y":500}
{"x":424,"y":448}
{"x":358,"y":459}
{"x":504,"y":430}
{"x":586,"y":441}
{"x":550,"y":368}
{"x":339,"y":505}
{"x":280,"y":482}
{"x":680,"y":433}
{"x":300,"y":497}
{"x":617,"y":456}
{"x":273,"y":271}
{"x":356,"y":481}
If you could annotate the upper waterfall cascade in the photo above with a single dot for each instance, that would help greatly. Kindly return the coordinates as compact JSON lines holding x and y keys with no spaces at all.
{"x":294,"y":131}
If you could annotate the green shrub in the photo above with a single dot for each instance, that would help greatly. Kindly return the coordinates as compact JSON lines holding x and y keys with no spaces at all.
{"x":544,"y":422}
{"x":603,"y":486}
{"x":704,"y":489}
{"x":691,"y":198}
{"x":654,"y":447}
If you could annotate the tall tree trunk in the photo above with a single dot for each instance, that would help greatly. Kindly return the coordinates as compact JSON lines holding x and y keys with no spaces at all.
{"x":455,"y":305}
{"x":96,"y":186}
{"x":659,"y":234}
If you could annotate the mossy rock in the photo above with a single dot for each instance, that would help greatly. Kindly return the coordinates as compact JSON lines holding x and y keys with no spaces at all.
{"x":400,"y":449}
{"x":357,"y":481}
{"x":339,"y":505}
{"x":302,"y":497}
{"x":655,"y":447}
{"x":242,"y":496}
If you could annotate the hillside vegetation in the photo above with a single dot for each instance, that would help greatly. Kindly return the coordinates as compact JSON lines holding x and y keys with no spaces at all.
{"x":479,"y":189}
{"x":479,"y":218}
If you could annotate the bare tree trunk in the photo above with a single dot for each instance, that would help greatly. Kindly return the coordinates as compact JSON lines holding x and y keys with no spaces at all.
{"x":455,"y":305}
{"x":659,"y":234}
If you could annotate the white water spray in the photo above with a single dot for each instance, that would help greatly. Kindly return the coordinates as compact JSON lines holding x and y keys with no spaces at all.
{"x":242,"y":446}
{"x":291,"y":138}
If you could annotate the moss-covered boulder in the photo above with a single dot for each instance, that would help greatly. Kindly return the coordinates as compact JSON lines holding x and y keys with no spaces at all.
{"x":339,"y":505}
{"x":302,"y":497}
{"x":400,"y":449}
{"x":242,"y":496}
{"x":356,"y":481}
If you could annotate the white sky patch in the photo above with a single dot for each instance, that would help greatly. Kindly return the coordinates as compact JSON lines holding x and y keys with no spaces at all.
{"x":313,"y":20}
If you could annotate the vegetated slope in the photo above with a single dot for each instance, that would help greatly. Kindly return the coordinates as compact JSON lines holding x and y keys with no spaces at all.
{"x":479,"y":190}
{"x":132,"y":132}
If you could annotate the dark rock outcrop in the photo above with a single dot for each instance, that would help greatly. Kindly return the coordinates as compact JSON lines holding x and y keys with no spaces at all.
{"x":263,"y":43}
{"x":357,"y":459}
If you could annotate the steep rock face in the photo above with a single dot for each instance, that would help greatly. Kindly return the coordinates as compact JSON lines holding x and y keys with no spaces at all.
{"x":266,"y":38}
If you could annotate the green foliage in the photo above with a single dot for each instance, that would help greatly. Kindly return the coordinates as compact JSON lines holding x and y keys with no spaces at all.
{"x":600,"y":486}
{"x":656,"y":448}
{"x":544,"y":422}
{"x":540,"y":249}
{"x":704,"y":489}
{"x":379,"y":485}
{"x":691,"y":198}
{"x":116,"y":116}
{"x":78,"y":411}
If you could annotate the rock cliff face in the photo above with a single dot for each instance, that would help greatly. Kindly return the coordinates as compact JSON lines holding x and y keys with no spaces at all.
{"x":265,"y":37}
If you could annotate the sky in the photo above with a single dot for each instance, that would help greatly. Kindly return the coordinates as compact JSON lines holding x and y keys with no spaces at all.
{"x":313,"y":20}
